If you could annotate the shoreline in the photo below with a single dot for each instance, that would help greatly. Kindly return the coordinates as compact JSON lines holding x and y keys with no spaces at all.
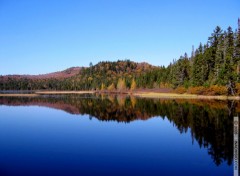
{"x":64,"y":92}
{"x":18,"y":95}
{"x":184,"y":96}
{"x":142,"y":94}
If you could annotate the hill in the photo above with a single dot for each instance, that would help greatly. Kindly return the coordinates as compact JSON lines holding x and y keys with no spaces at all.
{"x":60,"y":74}
{"x":106,"y":75}
{"x":78,"y":78}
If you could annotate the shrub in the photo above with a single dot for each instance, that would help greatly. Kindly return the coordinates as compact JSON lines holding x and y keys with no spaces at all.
{"x":238,"y":88}
{"x":212,"y":90}
{"x":180,"y":90}
{"x":217,"y":90}
{"x":197,"y":90}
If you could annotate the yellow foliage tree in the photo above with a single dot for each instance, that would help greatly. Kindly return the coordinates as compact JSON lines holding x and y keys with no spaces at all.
{"x":133,"y":85}
{"x":103,"y":86}
{"x":90,"y":78}
{"x":111,"y":87}
{"x":121,"y":85}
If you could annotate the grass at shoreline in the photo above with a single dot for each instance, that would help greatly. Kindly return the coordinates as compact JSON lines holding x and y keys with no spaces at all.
{"x":143,"y":94}
{"x":184,"y":96}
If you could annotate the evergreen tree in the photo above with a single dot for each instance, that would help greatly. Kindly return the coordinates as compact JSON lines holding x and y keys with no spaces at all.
{"x":213,"y":41}
{"x":237,"y":52}
{"x":230,"y":76}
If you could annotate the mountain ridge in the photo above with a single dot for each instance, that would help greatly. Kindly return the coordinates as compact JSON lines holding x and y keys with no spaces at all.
{"x":58,"y":74}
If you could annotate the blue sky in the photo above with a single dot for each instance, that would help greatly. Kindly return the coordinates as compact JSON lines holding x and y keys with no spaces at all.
{"x":42,"y":36}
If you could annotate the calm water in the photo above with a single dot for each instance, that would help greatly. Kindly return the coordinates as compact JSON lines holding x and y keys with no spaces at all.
{"x":98,"y":135}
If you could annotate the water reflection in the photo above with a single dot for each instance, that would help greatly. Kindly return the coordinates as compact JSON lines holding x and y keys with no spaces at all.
{"x":210,"y":122}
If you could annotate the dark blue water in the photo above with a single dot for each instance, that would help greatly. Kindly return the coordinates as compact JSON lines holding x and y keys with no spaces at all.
{"x":38,"y":140}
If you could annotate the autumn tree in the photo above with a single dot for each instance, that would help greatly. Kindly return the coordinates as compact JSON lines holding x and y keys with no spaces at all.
{"x":111,"y":87}
{"x":103,"y":87}
{"x":121,"y":85}
{"x":133,"y":85}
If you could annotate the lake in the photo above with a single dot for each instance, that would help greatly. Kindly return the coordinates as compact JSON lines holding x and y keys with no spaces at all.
{"x":115,"y":135}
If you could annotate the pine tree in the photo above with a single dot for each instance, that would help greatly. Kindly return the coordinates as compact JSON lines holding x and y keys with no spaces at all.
{"x":213,"y":41}
{"x":198,"y":69}
{"x":230,"y":76}
{"x":219,"y":60}
{"x":237,"y":52}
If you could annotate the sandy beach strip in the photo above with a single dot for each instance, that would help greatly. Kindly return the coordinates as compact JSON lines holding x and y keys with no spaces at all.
{"x":19,"y":95}
{"x":63,"y":92}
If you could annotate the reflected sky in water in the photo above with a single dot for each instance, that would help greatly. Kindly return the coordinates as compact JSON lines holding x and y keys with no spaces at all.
{"x":38,"y":140}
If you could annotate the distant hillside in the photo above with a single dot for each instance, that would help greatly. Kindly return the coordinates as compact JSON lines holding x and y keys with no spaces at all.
{"x":98,"y":76}
{"x":60,"y":74}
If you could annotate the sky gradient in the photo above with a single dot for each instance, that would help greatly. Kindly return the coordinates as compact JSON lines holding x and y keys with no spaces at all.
{"x":42,"y":36}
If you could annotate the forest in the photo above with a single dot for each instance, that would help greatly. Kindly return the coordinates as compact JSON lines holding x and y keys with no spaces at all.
{"x":212,"y":69}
